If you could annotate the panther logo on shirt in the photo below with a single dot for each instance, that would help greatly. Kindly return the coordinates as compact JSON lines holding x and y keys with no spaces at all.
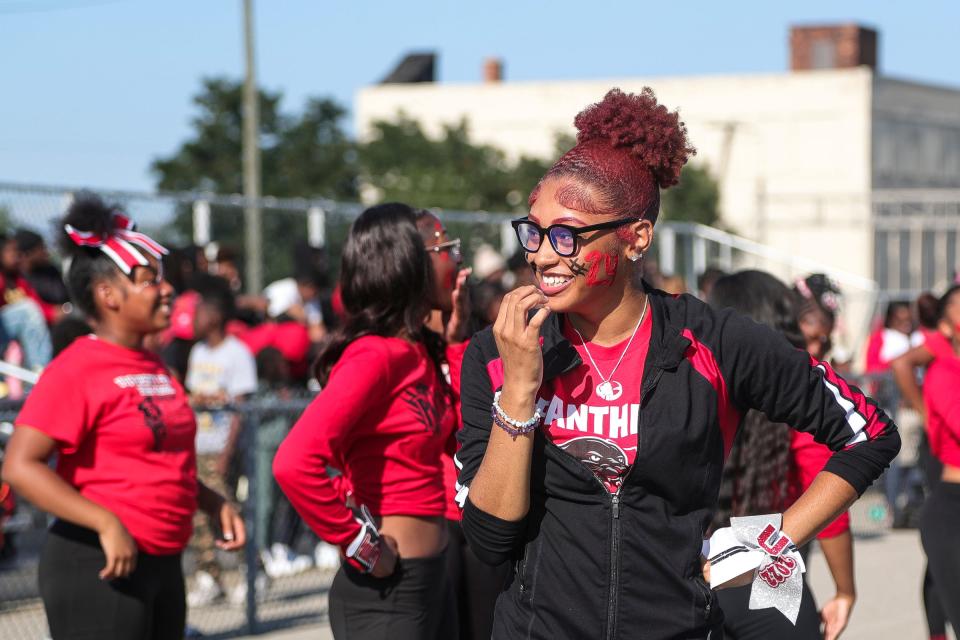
{"x":605,"y":459}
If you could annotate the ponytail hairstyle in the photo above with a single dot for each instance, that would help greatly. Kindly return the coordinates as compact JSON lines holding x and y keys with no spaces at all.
{"x":87,"y":265}
{"x":628,"y":148}
{"x":755,"y":474}
{"x":385,"y":282}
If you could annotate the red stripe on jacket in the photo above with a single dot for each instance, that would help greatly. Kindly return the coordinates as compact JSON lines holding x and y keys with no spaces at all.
{"x":703,"y":362}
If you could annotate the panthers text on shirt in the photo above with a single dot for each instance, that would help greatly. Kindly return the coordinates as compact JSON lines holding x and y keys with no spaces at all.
{"x":610,"y":422}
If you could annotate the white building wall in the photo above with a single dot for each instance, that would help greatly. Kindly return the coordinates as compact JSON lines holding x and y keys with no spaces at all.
{"x":791,"y":151}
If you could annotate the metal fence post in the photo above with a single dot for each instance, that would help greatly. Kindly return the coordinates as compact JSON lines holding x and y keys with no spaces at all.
{"x":250,"y":426}
{"x":508,"y":239}
{"x":201,"y":223}
{"x":668,"y":250}
{"x":316,"y":227}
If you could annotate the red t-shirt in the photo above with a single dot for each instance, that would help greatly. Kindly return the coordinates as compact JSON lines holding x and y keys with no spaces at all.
{"x":808,"y":458}
{"x":125,"y":434}
{"x":290,"y":338}
{"x":455,"y":363}
{"x":942,"y":398}
{"x":384,"y":419}
{"x":937,"y":344}
{"x":601,"y":433}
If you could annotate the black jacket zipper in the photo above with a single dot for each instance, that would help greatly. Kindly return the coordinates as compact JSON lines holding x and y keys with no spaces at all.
{"x":615,"y":550}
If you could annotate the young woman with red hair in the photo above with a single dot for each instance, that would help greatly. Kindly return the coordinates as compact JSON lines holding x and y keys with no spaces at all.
{"x":597,"y":411}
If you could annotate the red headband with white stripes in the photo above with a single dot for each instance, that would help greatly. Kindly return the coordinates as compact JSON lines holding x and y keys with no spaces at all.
{"x":123,"y":246}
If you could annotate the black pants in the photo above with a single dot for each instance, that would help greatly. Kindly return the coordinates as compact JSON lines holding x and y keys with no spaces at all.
{"x":148,"y":604}
{"x":476,"y":586}
{"x":740,"y":623}
{"x":415,"y":603}
{"x":938,"y":532}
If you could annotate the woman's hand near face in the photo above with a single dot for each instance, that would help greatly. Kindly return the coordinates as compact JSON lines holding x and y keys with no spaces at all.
{"x":518,"y":341}
{"x":455,"y":331}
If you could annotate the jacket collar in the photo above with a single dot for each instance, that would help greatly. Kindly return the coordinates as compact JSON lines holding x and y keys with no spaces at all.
{"x":667,"y":343}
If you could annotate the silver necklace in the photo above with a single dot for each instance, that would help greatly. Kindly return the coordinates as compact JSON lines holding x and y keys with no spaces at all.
{"x":610,"y":389}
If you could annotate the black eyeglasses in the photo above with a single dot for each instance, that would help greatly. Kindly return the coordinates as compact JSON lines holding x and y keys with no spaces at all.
{"x":563,"y":237}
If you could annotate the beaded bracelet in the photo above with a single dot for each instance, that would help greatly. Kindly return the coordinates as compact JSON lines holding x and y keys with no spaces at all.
{"x":513,"y":427}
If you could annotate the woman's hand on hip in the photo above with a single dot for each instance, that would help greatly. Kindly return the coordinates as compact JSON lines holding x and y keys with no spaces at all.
{"x":387,"y":562}
{"x":119,"y":548}
{"x":518,"y":339}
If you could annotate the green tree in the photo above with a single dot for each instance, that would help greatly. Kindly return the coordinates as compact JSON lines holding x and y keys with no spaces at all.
{"x":400,"y":162}
{"x":304,"y":155}
{"x":694,"y":199}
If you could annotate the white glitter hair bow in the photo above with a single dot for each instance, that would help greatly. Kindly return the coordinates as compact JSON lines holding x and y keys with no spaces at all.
{"x":756,"y":542}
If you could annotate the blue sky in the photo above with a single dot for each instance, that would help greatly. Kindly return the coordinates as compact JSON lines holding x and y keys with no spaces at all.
{"x":93,"y":90}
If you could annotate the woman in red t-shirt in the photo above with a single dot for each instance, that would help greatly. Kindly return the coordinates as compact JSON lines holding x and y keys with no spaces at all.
{"x":125,"y":486}
{"x":383,"y":419}
{"x":941,"y":517}
{"x":767,"y":469}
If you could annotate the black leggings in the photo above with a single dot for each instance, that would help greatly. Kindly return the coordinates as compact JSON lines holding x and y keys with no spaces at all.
{"x":415,"y":603}
{"x":742,"y":623}
{"x":148,"y":604}
{"x":938,"y":532}
{"x":476,"y":586}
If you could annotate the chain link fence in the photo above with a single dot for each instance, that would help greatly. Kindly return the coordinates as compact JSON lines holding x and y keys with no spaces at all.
{"x":279,"y":580}
{"x":282,"y":577}
{"x":213,"y":221}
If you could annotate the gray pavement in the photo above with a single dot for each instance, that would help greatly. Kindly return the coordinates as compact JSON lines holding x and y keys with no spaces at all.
{"x":889,"y":569}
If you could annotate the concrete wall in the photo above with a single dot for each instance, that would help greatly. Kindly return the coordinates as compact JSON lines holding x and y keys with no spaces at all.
{"x":791,"y":151}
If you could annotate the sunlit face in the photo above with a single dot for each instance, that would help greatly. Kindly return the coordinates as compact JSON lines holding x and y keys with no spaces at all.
{"x":902,"y":320}
{"x":143,"y":301}
{"x":816,"y":327}
{"x":9,"y":256}
{"x":445,"y":259}
{"x":950,"y":323}
{"x":597,"y":271}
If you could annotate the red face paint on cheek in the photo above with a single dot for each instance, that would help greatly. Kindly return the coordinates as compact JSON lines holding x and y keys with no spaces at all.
{"x":602,"y":268}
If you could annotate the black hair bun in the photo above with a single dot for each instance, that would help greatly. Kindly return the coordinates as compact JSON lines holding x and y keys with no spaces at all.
{"x":88,"y":212}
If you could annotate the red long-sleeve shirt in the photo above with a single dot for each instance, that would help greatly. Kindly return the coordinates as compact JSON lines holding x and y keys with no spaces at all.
{"x":384,"y":419}
{"x":940,"y":394}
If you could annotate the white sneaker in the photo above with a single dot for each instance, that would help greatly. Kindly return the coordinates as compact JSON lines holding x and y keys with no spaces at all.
{"x":326,"y":556}
{"x":280,"y":561}
{"x":206,"y":590}
{"x":238,"y":595}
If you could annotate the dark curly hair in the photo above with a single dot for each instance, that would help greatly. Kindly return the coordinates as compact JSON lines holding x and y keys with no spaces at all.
{"x":755,"y":472}
{"x":87,"y":265}
{"x":628,"y":148}
{"x":385,"y":279}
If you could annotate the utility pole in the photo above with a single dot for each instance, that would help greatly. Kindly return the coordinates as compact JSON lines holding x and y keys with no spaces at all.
{"x":252,"y":215}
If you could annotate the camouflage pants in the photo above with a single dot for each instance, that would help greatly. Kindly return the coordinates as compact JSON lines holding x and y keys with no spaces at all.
{"x":205,"y":532}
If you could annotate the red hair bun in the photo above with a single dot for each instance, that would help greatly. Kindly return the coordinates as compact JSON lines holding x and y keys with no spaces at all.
{"x":639,"y":124}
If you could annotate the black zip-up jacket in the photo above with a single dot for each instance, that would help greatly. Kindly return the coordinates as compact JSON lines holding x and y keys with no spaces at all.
{"x":589,"y":564}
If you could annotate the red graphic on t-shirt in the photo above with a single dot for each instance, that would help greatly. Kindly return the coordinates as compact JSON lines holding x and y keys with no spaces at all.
{"x":153,"y":417}
{"x":609,"y":263}
{"x":601,"y":430}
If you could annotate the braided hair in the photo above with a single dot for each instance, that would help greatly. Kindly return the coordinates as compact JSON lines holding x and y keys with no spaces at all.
{"x":755,"y":473}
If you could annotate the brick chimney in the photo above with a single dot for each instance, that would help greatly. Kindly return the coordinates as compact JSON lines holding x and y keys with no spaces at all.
{"x":493,"y":70}
{"x":832,"y":47}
